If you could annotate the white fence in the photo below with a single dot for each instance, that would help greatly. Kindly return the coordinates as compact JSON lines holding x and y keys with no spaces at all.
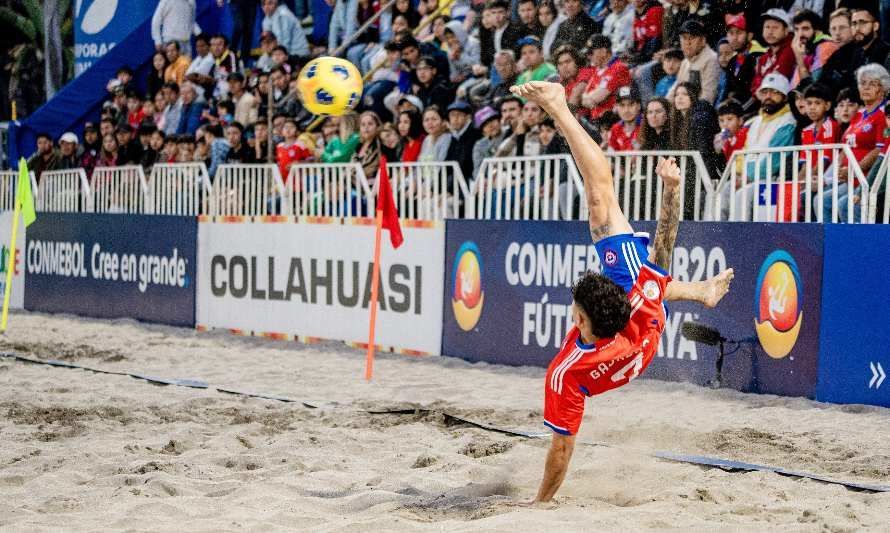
{"x":638,"y":189}
{"x":8,"y":181}
{"x":119,"y":189}
{"x":529,"y":188}
{"x":430,"y":191}
{"x":879,"y":197}
{"x":179,"y":189}
{"x":793,"y":184}
{"x":328,"y":190}
{"x":247,"y":190}
{"x":64,"y":191}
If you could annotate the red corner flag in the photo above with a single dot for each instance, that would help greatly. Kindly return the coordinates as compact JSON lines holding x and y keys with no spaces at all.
{"x":387,"y":205}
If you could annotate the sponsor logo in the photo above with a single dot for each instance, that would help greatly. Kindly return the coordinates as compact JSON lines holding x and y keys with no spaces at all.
{"x":98,"y":15}
{"x":468,"y":296}
{"x":778,"y":304}
{"x":611,"y":257}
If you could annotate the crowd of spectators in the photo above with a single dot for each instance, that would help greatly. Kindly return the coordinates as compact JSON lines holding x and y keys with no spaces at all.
{"x":713,"y":76}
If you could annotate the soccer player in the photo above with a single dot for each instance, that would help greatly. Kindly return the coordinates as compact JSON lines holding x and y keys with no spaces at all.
{"x":619,"y":315}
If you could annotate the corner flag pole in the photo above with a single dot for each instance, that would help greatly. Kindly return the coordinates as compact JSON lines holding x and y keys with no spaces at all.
{"x":10,"y":263}
{"x":375,"y":282}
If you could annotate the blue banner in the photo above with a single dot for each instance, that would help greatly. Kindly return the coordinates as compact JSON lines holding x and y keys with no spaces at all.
{"x":854,"y":359}
{"x":113,"y":266}
{"x":100,"y":25}
{"x":508,"y":298}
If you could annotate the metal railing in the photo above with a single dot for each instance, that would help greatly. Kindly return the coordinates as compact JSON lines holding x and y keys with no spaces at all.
{"x":64,"y":191}
{"x":119,"y":189}
{"x":879,"y":186}
{"x":796,"y":183}
{"x":430,"y":191}
{"x":179,"y":189}
{"x":544,"y":187}
{"x":639,"y":190}
{"x":247,"y":190}
{"x":8,"y":181}
{"x":328,"y":190}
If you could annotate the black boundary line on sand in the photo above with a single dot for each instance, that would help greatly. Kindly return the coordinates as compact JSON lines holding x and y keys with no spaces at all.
{"x":726,"y":465}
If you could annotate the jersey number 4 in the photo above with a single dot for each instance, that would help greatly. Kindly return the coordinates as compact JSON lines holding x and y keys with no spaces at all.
{"x":634,"y":367}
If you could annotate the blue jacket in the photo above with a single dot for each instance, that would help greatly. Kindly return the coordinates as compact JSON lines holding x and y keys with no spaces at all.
{"x":190,"y":118}
{"x":288,"y":30}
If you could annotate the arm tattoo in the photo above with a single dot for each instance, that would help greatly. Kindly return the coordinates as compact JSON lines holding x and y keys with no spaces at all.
{"x":668,"y":224}
{"x":598,"y":233}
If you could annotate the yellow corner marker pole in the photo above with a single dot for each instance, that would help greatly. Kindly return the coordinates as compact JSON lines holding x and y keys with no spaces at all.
{"x":22,"y":198}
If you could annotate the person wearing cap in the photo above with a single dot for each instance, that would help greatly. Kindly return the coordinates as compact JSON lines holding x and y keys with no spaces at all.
{"x":772,"y":127}
{"x":287,"y":28}
{"x":68,"y":156}
{"x":607,"y":74}
{"x":463,"y":136}
{"x":647,"y":28}
{"x":740,"y":68}
{"x":532,"y":56}
{"x":866,"y":32}
{"x":700,"y":64}
{"x":173,"y":21}
{"x":811,"y":47}
{"x":779,"y":56}
{"x":623,"y":134}
{"x":488,"y":122}
{"x":679,"y":12}
{"x":430,"y":88}
{"x":619,"y":26}
{"x":576,"y":28}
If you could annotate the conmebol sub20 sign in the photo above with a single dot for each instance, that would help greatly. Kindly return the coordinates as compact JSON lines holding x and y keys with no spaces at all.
{"x":314,"y":280}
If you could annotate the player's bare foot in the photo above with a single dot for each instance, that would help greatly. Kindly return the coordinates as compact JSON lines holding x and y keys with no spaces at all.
{"x":550,"y":96}
{"x":717,"y":287}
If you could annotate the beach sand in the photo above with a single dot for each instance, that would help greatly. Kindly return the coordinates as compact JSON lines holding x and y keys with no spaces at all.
{"x":84,"y":451}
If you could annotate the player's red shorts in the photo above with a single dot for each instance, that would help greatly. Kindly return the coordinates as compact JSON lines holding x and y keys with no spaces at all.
{"x":581,"y":370}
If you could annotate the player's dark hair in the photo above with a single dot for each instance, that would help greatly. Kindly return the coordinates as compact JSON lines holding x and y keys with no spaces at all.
{"x":604,"y":303}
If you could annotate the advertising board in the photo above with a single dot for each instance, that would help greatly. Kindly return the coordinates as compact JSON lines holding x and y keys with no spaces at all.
{"x":112,"y":266}
{"x":508,"y":298}
{"x":17,"y":297}
{"x":313,"y":280}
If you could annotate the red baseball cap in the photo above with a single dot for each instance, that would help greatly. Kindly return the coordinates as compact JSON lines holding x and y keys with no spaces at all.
{"x":736,"y":20}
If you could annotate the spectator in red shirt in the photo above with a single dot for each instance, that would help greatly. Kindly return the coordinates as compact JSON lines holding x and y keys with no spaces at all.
{"x":410,"y":128}
{"x":623,"y":135}
{"x":779,"y":56}
{"x":823,"y":130}
{"x":733,"y":131}
{"x":647,"y":29}
{"x":570,"y":76}
{"x":290,"y":151}
{"x":607,"y":75}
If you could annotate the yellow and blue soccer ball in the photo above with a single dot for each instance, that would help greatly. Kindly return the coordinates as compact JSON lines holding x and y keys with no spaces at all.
{"x":330,"y":86}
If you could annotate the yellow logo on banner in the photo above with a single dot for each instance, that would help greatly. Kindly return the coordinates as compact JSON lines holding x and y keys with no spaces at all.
{"x":778,"y":304}
{"x":468,"y":296}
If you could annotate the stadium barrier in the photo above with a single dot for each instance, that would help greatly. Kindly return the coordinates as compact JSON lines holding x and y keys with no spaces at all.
{"x":182,"y":189}
{"x":17,"y":297}
{"x":792,"y":184}
{"x":247,"y":190}
{"x":430,"y":191}
{"x":481,"y":290}
{"x":328,"y":190}
{"x":879,"y":200}
{"x":546,"y":187}
{"x":8,"y":181}
{"x":119,"y":190}
{"x":638,"y":189}
{"x":64,"y":191}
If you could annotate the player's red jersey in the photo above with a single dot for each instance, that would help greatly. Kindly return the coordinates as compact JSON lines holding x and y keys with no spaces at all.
{"x":620,"y":141}
{"x":828,"y":134}
{"x":288,"y":154}
{"x":735,"y":143}
{"x":581,"y":370}
{"x":865,"y":132}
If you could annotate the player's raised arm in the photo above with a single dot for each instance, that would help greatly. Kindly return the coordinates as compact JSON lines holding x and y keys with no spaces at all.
{"x":605,"y":216}
{"x":669,"y":217}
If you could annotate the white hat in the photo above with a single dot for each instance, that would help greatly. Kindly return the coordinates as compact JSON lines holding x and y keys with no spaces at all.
{"x":778,"y":14}
{"x":68,"y":137}
{"x":777,"y":82}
